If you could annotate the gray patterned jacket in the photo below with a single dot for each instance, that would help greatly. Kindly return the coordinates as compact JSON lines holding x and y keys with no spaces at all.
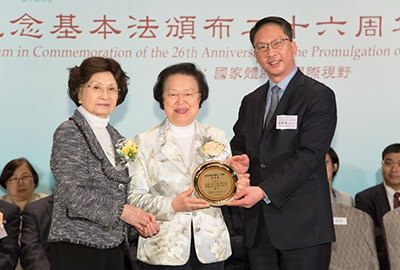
{"x":89,"y":193}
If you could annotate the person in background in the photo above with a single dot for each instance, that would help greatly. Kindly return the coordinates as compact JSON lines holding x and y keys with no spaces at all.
{"x":90,"y":210}
{"x":35,"y":253}
{"x":192,"y":234}
{"x":20,"y":179}
{"x":332,"y":166}
{"x":9,"y":231}
{"x":36,"y":220}
{"x":376,"y":201}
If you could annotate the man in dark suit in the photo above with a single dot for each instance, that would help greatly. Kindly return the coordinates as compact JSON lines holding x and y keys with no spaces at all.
{"x":9,"y":231}
{"x":35,"y":253}
{"x":380,"y":199}
{"x":284,"y":133}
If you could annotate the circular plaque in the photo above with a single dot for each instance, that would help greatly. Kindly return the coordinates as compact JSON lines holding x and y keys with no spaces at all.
{"x":215,"y":182}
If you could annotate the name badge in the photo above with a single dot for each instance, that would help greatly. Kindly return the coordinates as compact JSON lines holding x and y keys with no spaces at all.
{"x":286,"y":122}
{"x":339,"y":221}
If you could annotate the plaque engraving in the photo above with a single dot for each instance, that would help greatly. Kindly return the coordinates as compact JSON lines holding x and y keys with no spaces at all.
{"x":215,"y":182}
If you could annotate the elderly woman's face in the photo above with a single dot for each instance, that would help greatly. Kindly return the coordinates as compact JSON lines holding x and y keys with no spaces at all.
{"x":100,"y":94}
{"x":20,"y":185}
{"x":181,"y":99}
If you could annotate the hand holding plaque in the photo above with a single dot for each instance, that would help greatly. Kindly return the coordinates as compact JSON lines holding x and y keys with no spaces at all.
{"x":215,"y":182}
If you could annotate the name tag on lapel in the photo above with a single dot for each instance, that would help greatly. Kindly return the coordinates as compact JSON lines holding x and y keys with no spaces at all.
{"x":286,"y":122}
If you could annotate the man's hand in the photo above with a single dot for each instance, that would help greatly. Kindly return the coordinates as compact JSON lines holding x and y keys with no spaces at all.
{"x":184,"y":203}
{"x":248,"y":197}
{"x":240,"y":163}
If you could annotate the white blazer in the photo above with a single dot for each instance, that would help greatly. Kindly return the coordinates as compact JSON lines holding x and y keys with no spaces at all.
{"x":158,"y":175}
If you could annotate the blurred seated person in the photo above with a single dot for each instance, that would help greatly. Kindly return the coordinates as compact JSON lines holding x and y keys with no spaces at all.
{"x":20,"y":179}
{"x":36,"y":220}
{"x":376,"y":201}
{"x":35,"y":252}
{"x":9,"y":231}
{"x":332,"y":166}
{"x":233,"y":216}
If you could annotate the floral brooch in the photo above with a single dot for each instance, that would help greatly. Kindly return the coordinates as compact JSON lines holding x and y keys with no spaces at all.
{"x":212,"y":147}
{"x":127,"y":151}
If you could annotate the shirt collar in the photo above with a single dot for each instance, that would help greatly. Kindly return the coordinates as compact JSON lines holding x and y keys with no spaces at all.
{"x":94,"y":121}
{"x":284,"y":83}
{"x":182,"y":132}
{"x":390,"y":191}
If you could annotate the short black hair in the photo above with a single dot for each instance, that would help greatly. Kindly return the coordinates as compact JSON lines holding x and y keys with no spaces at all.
{"x":78,"y":76}
{"x":335,"y":160}
{"x":393,"y":148}
{"x":285,"y":25}
{"x":10,"y":168}
{"x":188,"y":69}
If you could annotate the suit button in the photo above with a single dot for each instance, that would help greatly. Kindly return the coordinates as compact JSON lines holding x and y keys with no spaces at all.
{"x":263,"y":166}
{"x":198,"y":229}
{"x":121,"y":186}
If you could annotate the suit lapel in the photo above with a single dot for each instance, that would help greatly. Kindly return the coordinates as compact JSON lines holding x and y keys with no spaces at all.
{"x":293,"y":89}
{"x":50,"y":208}
{"x":381,"y":198}
{"x":170,"y":149}
{"x":259,"y":108}
{"x":109,"y":170}
{"x":199,"y":137}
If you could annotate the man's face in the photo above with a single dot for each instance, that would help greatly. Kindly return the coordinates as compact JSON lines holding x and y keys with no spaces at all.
{"x":278,"y":63}
{"x":391,"y":170}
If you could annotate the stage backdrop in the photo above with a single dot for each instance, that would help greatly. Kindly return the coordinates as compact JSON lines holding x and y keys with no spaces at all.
{"x":351,"y":46}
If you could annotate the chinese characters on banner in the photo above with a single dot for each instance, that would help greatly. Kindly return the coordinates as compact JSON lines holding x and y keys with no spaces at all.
{"x":178,"y":27}
{"x":65,"y":26}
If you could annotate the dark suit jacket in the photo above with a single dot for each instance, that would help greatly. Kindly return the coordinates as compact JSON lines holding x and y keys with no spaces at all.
{"x":36,"y":220}
{"x":289,"y":165}
{"x":374,"y":202}
{"x":9,"y":248}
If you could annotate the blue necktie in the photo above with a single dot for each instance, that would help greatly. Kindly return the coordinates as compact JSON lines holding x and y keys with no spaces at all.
{"x":274,"y":104}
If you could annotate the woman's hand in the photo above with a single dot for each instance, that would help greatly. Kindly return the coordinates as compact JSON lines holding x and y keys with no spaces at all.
{"x":149,"y":230}
{"x":144,"y":222}
{"x":243,"y":182}
{"x":240,"y":163}
{"x":183,"y":203}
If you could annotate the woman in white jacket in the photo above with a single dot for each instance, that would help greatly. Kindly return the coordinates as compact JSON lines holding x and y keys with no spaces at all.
{"x":192,"y":234}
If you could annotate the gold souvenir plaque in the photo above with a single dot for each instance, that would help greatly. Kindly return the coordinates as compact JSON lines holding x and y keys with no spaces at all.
{"x":215,"y":182}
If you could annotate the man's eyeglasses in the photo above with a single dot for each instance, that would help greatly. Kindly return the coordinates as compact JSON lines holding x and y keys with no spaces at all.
{"x":390,"y":163}
{"x":276,"y":44}
{"x":15,"y":180}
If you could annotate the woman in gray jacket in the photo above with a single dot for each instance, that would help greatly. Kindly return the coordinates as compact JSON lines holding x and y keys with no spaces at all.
{"x":90,"y":210}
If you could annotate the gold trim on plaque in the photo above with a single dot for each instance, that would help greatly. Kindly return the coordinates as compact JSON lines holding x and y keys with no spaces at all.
{"x":215,"y":182}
